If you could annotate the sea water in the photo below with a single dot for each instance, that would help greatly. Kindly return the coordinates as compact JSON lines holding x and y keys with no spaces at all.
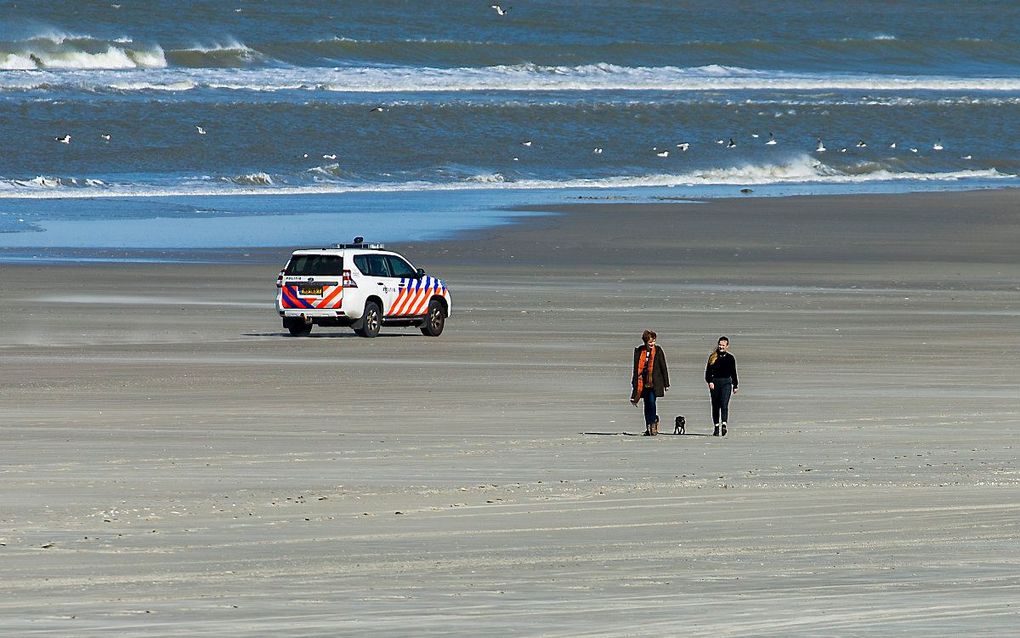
{"x":210,"y":123}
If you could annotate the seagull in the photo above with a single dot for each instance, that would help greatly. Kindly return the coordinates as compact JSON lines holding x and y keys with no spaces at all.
{"x":966,"y":157}
{"x":683,"y":146}
{"x":772,"y":140}
{"x":500,"y":11}
{"x":63,"y":139}
{"x":597,"y":150}
{"x":106,"y":137}
{"x":662,"y":153}
{"x":201,"y":131}
{"x":376,"y":109}
{"x":720,"y":141}
{"x":821,"y":147}
{"x":842,"y":150}
{"x":913,"y":150}
{"x":329,"y":156}
{"x":526,"y":143}
{"x":937,"y":146}
{"x":305,"y":156}
{"x":862,"y":144}
{"x":517,"y":159}
{"x":754,"y":135}
{"x":731,"y":144}
{"x":893,"y":145}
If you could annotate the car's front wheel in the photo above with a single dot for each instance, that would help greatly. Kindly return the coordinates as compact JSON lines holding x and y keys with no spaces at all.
{"x":435,"y":321}
{"x":371,"y":321}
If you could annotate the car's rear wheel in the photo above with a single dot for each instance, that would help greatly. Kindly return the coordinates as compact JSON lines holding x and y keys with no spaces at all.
{"x":435,"y":321}
{"x":297,"y":326}
{"x":371,"y":321}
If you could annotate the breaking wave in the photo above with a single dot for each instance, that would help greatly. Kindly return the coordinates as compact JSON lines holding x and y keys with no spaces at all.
{"x":252,"y":179}
{"x":520,"y":77}
{"x":58,"y":51}
{"x":227,"y":54}
{"x":48,"y":183}
{"x":65,"y":51}
{"x":800,"y":170}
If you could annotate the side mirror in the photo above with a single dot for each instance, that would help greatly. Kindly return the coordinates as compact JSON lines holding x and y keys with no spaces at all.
{"x":420,"y":273}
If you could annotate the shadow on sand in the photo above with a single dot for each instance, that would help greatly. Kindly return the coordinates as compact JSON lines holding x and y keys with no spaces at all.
{"x":640,"y":434}
{"x":324,"y":335}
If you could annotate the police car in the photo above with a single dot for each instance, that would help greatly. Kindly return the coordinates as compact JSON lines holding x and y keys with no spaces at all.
{"x":359,"y":285}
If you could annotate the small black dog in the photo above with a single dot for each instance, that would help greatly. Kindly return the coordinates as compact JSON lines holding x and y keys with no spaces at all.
{"x":681,"y":425}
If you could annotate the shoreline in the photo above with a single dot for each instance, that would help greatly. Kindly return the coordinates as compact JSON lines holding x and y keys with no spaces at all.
{"x":499,"y":216}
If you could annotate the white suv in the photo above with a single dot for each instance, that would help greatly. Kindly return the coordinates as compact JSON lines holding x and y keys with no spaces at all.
{"x":359,"y":285}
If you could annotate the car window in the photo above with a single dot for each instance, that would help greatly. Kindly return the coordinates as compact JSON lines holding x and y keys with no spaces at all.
{"x":372,"y":265}
{"x":399,"y":267}
{"x":310,"y":265}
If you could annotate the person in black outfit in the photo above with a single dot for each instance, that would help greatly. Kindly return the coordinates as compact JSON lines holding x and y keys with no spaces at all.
{"x":721,"y":377}
{"x":650,"y":379}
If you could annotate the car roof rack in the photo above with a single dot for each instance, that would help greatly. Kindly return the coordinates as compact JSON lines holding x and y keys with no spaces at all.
{"x":359,"y":242}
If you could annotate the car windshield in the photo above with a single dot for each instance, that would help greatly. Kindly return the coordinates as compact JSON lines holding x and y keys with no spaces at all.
{"x":308,"y":265}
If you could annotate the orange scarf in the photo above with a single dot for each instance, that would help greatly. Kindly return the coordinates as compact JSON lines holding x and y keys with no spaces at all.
{"x":645,"y":365}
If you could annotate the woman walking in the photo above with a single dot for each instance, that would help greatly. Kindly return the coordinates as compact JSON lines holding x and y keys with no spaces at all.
{"x":650,"y":380}
{"x":721,"y":377}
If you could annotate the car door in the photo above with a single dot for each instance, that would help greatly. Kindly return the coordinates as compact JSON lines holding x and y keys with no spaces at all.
{"x":377,"y":279}
{"x":411,"y":297}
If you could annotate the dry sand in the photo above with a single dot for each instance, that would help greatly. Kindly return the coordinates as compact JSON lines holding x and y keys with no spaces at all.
{"x":172,"y":464}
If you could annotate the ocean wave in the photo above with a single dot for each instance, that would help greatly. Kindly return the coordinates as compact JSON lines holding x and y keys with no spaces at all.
{"x":252,"y":179}
{"x":487,"y":178}
{"x":229,"y":53}
{"x":49,"y":183}
{"x":802,"y":169}
{"x":56,"y":50}
{"x":504,"y":78}
{"x":877,"y":37}
{"x":325,"y":173}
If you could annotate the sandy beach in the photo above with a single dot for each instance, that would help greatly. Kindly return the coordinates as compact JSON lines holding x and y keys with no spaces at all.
{"x":173,"y":464}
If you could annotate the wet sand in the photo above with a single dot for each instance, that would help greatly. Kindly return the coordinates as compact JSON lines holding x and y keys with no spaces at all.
{"x":174,"y":464}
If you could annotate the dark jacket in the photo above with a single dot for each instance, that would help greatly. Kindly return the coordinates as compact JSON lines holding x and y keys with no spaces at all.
{"x":725,"y":366}
{"x":660,"y":373}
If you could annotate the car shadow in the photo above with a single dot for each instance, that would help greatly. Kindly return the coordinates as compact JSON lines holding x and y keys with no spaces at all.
{"x":641,"y":434}
{"x":323,"y":335}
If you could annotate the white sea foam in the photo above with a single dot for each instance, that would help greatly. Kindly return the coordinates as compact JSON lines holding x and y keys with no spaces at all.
{"x":487,"y":178}
{"x":183,"y":85}
{"x":523,"y":77}
{"x":16,"y":62}
{"x":800,"y":170}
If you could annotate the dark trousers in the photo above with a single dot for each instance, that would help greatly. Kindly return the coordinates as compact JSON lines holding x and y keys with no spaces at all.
{"x":649,"y":397}
{"x":721,"y":400}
